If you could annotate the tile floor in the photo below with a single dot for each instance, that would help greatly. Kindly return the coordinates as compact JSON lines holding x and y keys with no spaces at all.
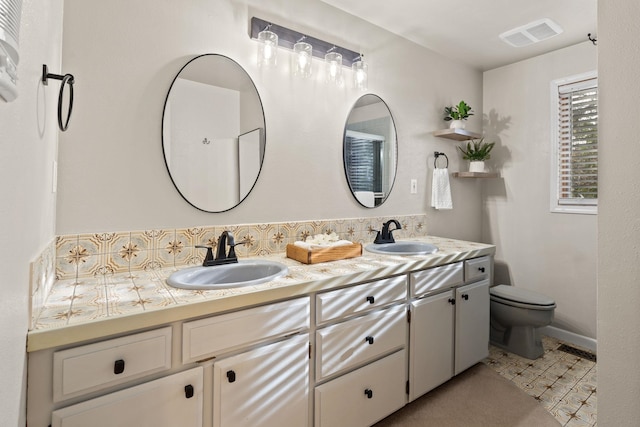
{"x":564,"y":383}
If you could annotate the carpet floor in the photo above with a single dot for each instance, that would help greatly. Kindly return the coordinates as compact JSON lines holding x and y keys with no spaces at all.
{"x":478,"y":397}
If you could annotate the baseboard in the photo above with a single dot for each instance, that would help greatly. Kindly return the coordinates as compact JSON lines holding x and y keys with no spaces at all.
{"x":571,"y":338}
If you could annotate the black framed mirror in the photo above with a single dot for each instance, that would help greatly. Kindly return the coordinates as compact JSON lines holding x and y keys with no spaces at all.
{"x":370,"y":151}
{"x":213,"y":133}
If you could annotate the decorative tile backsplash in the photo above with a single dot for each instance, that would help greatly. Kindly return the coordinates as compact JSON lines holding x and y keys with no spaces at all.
{"x":100,"y":254}
{"x":77,"y":256}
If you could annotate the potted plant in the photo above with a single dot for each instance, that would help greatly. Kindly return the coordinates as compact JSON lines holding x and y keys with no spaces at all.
{"x":457,"y":114}
{"x":476,"y":151}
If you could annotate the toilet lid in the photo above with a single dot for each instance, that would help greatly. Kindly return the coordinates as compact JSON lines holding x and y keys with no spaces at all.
{"x":511,"y":293}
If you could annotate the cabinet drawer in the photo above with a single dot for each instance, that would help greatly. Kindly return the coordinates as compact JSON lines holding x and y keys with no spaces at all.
{"x":92,"y":367}
{"x":447,"y":276}
{"x":176,"y":400}
{"x":364,"y":396}
{"x":477,"y":268}
{"x":359,"y":340}
{"x":357,"y":299}
{"x":214,"y":335}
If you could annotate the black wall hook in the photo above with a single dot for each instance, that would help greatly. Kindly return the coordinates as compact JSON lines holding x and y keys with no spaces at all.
{"x":592,"y":39}
{"x":67,"y":79}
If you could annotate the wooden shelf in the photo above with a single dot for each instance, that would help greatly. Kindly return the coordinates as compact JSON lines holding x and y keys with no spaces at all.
{"x":456,"y":134}
{"x":476,"y":175}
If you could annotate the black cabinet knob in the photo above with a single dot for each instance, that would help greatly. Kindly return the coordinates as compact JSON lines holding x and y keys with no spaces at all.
{"x":371,"y":299}
{"x":369,"y":393}
{"x":231,"y":376}
{"x":369,"y":339}
{"x":465,"y":297}
{"x":452,"y":301}
{"x":481,"y":269}
{"x":118,"y":367}
{"x":188,"y":391}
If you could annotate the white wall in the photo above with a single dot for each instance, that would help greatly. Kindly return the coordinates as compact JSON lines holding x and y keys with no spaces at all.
{"x":619,"y":214}
{"x":28,"y":140}
{"x":125,"y":55}
{"x":551,"y":253}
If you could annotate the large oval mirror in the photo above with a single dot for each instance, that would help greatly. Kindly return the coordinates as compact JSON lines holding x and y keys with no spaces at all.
{"x":370,"y":151}
{"x":213,"y":133}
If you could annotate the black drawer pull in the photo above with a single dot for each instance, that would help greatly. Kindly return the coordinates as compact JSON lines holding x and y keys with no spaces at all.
{"x":481,"y":269}
{"x":231,"y":376}
{"x":188,"y":391}
{"x":452,"y":301}
{"x":371,"y":300}
{"x":118,"y":367}
{"x":369,"y":339}
{"x":369,"y":393}
{"x":465,"y":297}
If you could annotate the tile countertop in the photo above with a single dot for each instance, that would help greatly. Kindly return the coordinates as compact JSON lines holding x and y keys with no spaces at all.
{"x":97,"y":307}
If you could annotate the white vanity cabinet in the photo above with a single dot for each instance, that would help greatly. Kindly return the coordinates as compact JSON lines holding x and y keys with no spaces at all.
{"x":449,"y":329}
{"x":267,"y":386}
{"x":361,"y":360}
{"x":175,"y":400}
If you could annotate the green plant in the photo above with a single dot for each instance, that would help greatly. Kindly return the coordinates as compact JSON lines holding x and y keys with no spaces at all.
{"x":477,"y":150}
{"x":458,"y":112}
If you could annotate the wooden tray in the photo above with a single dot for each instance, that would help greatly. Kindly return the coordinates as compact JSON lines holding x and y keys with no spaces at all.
{"x":323,"y":255}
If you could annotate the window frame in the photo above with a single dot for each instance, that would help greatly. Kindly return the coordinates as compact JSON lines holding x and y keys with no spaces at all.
{"x":555,"y":205}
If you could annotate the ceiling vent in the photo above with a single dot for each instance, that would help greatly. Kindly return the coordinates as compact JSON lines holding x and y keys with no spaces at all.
{"x":531,"y":33}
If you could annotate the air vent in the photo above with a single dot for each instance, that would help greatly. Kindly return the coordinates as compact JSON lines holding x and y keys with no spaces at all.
{"x":531,"y":33}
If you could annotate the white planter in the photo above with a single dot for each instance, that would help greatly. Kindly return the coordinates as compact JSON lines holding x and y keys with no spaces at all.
{"x":457,"y":124}
{"x":476,"y":166}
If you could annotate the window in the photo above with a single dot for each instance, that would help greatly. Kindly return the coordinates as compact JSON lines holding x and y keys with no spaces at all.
{"x":574,"y":184}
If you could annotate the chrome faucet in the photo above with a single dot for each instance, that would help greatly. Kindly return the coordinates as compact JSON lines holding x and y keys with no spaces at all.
{"x":222,"y":257}
{"x":386,"y":235}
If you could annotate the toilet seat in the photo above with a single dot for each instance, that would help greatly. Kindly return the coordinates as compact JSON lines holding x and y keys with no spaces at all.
{"x":517,"y":297}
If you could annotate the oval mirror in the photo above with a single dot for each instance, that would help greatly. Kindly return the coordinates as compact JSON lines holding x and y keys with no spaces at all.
{"x":213,"y":133}
{"x":370,"y":151}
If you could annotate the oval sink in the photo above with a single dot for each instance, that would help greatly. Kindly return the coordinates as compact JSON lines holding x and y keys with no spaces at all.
{"x":243,"y":273}
{"x":402,"y":248}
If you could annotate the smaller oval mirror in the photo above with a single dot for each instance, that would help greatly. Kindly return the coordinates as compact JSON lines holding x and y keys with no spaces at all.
{"x":370,"y":151}
{"x":213,"y":133}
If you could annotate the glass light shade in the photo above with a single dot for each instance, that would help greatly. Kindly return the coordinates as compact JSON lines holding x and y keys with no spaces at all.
{"x":301,"y":59}
{"x":333,"y":64}
{"x":360,"y":75}
{"x":267,"y":48}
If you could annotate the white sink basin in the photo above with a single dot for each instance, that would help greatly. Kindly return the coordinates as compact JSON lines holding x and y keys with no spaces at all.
{"x":242,"y":273}
{"x":402,"y":248}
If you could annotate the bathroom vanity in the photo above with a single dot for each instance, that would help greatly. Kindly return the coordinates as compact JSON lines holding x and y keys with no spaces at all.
{"x":334,"y":344}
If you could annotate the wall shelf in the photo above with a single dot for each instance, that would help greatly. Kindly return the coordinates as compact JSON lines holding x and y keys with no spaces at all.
{"x":476,"y":175}
{"x":456,"y":134}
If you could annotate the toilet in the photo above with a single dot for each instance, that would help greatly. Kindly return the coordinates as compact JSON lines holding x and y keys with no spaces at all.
{"x":516,"y":316}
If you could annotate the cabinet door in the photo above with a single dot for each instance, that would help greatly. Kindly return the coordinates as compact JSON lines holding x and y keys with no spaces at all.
{"x":472,"y":324}
{"x":171,"y":401}
{"x":431,"y":343}
{"x":266,"y":387}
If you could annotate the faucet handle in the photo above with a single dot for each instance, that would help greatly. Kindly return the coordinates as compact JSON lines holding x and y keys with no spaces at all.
{"x":208,"y":259}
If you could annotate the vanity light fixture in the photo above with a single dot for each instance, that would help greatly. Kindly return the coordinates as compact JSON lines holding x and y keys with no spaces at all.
{"x":333,"y":66}
{"x":268,"y":47}
{"x":360,"y":73}
{"x":335,"y":57}
{"x":301,"y":58}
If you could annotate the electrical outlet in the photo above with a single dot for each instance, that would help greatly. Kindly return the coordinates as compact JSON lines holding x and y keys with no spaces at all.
{"x":414,"y":186}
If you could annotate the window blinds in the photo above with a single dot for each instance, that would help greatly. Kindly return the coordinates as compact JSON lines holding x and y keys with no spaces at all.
{"x":578,"y":143}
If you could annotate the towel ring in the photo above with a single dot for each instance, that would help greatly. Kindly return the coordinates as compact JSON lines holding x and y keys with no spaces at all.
{"x":435,"y":160}
{"x":67,"y":79}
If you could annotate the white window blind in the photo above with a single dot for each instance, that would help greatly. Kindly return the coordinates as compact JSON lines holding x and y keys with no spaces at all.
{"x":577,"y":144}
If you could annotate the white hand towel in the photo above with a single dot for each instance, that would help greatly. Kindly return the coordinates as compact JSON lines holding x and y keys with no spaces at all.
{"x":441,"y":190}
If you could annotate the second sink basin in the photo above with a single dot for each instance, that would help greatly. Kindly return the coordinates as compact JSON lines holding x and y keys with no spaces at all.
{"x":402,"y":248}
{"x":242,"y":273}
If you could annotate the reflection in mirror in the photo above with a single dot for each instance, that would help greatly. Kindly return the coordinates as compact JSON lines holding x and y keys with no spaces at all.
{"x":370,"y":151}
{"x":213,"y":133}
